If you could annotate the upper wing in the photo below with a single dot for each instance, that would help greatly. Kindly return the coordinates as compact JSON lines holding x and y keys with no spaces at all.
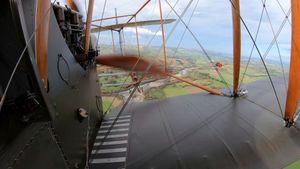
{"x":130,"y":24}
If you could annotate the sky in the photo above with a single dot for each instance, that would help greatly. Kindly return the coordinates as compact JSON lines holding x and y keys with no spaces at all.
{"x":210,"y":24}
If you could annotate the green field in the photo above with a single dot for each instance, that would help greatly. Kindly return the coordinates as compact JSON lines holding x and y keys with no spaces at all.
{"x":295,"y":165}
{"x":174,"y":91}
{"x":109,"y":103}
{"x":203,"y":72}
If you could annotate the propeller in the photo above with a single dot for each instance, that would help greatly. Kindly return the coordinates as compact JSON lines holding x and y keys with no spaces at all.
{"x":131,"y":63}
{"x":138,"y":64}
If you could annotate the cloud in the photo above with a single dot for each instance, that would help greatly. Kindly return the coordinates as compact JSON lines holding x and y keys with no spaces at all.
{"x":211,"y":22}
{"x":142,"y":31}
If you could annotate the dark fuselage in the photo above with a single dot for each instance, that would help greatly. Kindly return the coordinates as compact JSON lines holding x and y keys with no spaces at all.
{"x":41,"y":128}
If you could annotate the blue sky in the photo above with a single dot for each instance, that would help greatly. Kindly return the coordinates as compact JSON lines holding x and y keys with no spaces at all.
{"x":211,"y":23}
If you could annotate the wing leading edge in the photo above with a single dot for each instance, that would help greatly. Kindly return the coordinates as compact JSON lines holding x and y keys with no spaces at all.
{"x":130,"y":24}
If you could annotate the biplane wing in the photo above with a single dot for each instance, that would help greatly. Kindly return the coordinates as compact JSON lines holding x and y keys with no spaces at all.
{"x":130,"y":24}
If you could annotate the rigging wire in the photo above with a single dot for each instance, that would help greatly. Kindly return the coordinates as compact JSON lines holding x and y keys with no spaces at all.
{"x":172,"y":9}
{"x":277,"y":46}
{"x":85,"y":7}
{"x":124,"y":105}
{"x":154,"y":7}
{"x":260,"y":55}
{"x":128,"y":99}
{"x":123,"y":83}
{"x":169,"y":35}
{"x":252,"y":49}
{"x":100,"y":24}
{"x":183,"y":34}
{"x":152,"y":15}
{"x":158,"y":29}
{"x":178,"y":21}
{"x":124,"y":25}
{"x":264,"y":107}
{"x":272,"y":42}
{"x":87,"y":137}
{"x":277,"y":34}
{"x":285,"y":14}
{"x":130,"y":96}
{"x":20,"y":58}
{"x":139,"y":55}
{"x":200,"y":45}
{"x":119,"y":114}
{"x":137,"y":38}
{"x":296,"y":127}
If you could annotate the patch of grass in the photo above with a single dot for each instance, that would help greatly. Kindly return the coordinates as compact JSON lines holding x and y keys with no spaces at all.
{"x":155,"y":93}
{"x":107,"y":101}
{"x":111,"y":89}
{"x":203,"y":72}
{"x":294,"y":165}
{"x":171,"y":91}
{"x":106,"y":104}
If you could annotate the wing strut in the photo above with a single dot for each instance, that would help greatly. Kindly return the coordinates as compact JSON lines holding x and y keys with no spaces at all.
{"x":163,"y":35}
{"x":210,"y":90}
{"x":236,"y":45}
{"x":88,"y":27}
{"x":41,"y":39}
{"x":293,"y":95}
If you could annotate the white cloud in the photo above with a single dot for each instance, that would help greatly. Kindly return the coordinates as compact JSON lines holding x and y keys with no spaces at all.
{"x":211,"y":23}
{"x":142,"y":31}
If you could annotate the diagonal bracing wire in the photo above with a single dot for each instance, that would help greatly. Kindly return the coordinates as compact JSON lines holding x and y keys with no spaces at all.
{"x":200,"y":45}
{"x":100,"y":24}
{"x":178,"y":21}
{"x":261,"y":57}
{"x":130,"y":96}
{"x":137,"y":38}
{"x":277,"y":34}
{"x":139,"y":60}
{"x":285,"y":14}
{"x":2,"y":99}
{"x":252,"y":49}
{"x":185,"y":29}
{"x":136,"y":62}
{"x":271,"y":43}
{"x":124,"y":105}
{"x":277,"y":45}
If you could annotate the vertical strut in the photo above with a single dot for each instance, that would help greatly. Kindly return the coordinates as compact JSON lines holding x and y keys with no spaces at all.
{"x":137,"y":39}
{"x":113,"y":40}
{"x":163,"y":35}
{"x":41,"y":39}
{"x":88,"y":26}
{"x":293,"y":95}
{"x":236,"y":45}
{"x":119,"y":32}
